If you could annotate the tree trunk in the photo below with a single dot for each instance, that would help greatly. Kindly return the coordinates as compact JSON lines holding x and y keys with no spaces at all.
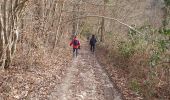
{"x":9,"y":29}
{"x":74,"y":21}
{"x":102,"y":29}
{"x":59,"y":24}
{"x":103,"y":22}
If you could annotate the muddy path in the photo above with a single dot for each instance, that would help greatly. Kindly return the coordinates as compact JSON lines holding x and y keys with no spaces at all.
{"x":85,"y":79}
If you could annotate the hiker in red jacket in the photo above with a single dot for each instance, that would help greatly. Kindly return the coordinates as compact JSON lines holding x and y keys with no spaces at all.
{"x":76,"y":45}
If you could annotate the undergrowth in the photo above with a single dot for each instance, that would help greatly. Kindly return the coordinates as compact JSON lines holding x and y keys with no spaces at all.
{"x":154,"y":43}
{"x":145,"y":57}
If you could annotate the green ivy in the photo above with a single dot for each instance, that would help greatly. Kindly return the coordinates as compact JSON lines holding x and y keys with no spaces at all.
{"x":162,"y":45}
{"x":167,"y":2}
{"x":154,"y":58}
{"x":126,"y":49}
{"x":164,"y":31}
{"x":135,"y":86}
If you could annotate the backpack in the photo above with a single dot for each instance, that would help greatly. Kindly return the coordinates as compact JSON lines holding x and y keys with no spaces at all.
{"x":92,"y":41}
{"x":75,"y":42}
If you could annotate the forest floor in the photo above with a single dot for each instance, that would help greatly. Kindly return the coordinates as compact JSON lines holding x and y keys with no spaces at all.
{"x":79,"y":78}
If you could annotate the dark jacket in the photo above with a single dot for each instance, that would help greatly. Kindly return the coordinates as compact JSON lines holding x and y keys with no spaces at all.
{"x":93,"y":41}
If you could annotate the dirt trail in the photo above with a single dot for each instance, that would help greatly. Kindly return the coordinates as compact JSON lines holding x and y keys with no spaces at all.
{"x":85,"y":80}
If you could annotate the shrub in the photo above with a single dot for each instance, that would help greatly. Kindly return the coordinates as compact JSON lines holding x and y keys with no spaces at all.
{"x":167,"y":2}
{"x":135,"y":86}
{"x":126,"y":49}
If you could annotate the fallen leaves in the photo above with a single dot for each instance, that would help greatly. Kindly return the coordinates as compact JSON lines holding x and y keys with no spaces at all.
{"x":35,"y":76}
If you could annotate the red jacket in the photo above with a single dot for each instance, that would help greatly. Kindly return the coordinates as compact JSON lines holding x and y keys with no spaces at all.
{"x":75,"y":46}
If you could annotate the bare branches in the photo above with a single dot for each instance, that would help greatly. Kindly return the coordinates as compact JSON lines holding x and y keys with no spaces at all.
{"x":9,"y":29}
{"x":110,"y":18}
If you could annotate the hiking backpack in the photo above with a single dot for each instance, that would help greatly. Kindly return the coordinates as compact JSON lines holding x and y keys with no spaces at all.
{"x":75,"y":42}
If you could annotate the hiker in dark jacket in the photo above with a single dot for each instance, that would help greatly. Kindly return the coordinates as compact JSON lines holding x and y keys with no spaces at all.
{"x":93,"y":43}
{"x":76,"y":45}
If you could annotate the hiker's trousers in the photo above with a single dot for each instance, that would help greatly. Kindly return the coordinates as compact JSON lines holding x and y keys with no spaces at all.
{"x":92,"y":48}
{"x":75,"y":52}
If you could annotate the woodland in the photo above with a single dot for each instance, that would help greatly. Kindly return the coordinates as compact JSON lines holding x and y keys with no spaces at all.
{"x":133,"y":45}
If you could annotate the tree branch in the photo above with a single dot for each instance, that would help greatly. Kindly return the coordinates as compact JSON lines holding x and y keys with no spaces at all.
{"x":111,"y":18}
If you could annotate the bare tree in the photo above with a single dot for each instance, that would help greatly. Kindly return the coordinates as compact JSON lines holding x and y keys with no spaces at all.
{"x":11,"y":11}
